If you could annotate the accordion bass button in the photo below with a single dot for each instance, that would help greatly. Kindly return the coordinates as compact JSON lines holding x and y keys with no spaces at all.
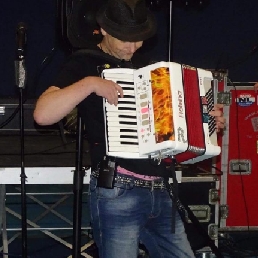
{"x":143,"y":96}
{"x":144,"y":104}
{"x":145,"y":122}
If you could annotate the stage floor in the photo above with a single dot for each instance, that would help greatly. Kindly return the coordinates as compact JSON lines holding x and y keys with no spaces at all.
{"x":42,"y":247}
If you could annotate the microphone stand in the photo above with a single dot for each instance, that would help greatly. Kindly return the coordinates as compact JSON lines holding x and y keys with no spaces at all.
{"x":20,"y":82}
{"x":79,"y":173}
{"x":170,"y":48}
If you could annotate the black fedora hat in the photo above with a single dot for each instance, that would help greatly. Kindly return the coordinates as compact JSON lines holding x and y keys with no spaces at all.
{"x":127,"y":20}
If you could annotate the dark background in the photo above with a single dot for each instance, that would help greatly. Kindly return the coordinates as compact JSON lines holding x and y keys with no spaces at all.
{"x":217,"y":34}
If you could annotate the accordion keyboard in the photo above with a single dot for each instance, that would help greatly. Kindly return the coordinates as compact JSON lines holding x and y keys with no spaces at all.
{"x":121,"y":122}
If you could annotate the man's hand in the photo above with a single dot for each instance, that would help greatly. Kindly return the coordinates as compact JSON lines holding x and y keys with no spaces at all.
{"x":256,"y":87}
{"x":108,"y":90}
{"x":220,"y":119}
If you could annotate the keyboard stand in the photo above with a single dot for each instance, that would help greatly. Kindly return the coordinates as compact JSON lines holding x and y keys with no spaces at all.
{"x":38,"y":176}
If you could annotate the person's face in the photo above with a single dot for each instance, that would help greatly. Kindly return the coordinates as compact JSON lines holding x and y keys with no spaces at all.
{"x":120,"y":49}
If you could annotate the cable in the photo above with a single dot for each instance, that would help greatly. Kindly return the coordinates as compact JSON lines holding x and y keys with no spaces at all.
{"x":44,"y":152}
{"x":243,"y":58}
{"x":228,"y":246}
{"x":11,"y":117}
{"x":46,"y":61}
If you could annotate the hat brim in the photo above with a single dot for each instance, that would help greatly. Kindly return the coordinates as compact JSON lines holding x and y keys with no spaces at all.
{"x":127,"y":33}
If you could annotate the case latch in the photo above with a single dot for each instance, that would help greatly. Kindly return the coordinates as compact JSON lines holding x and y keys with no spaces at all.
{"x":224,"y":98}
{"x":240,"y":166}
{"x":224,"y":211}
{"x":213,"y":231}
{"x":201,"y":212}
{"x":213,"y":196}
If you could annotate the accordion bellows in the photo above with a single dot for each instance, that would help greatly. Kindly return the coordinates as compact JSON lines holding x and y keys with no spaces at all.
{"x":164,"y":112}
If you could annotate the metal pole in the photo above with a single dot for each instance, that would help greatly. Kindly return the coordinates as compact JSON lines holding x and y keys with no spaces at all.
{"x":20,"y":76}
{"x":77,"y":190}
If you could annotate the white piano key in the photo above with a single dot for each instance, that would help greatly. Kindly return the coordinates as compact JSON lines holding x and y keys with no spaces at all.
{"x":128,"y":148}
{"x":129,"y":92}
{"x":122,"y":107}
{"x":117,"y":141}
{"x":117,"y":124}
{"x":116,"y":114}
{"x":122,"y":119}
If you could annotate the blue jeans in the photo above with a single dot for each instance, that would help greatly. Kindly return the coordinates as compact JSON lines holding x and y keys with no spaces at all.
{"x":126,"y":215}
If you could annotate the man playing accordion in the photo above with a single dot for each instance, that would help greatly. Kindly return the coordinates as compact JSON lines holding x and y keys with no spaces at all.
{"x":129,"y":203}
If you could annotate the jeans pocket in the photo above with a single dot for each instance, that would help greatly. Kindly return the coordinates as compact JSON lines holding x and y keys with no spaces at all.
{"x":104,"y":193}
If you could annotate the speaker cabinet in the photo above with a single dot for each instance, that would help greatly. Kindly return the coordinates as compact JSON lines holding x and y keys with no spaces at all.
{"x":76,"y":23}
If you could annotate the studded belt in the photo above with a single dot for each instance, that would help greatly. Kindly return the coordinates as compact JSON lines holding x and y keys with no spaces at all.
{"x":123,"y":179}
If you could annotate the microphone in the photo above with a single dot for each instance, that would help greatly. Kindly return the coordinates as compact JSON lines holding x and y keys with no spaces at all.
{"x":20,"y":71}
{"x":21,"y":38}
